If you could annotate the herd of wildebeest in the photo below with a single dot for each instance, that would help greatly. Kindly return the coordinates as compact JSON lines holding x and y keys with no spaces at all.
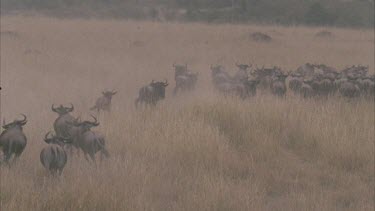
{"x":71,"y":134}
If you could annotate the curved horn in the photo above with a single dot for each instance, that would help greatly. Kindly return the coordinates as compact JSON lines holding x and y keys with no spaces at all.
{"x":46,"y":136}
{"x":53,"y":108}
{"x":71,"y":107}
{"x":23,"y":122}
{"x":114,"y":92}
{"x":166,"y":82}
{"x":96,"y":123}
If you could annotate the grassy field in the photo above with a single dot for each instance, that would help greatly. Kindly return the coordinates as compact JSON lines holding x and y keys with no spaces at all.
{"x":199,"y":151}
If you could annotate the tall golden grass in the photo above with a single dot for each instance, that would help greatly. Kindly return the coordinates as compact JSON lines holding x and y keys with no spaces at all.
{"x":198,"y":151}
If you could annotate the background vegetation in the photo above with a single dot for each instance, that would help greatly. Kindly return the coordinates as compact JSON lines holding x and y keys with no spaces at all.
{"x":353,"y":13}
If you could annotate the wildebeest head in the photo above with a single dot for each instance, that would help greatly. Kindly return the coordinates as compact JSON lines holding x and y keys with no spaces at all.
{"x":61,"y":110}
{"x":109,"y":94}
{"x":15,"y":123}
{"x":159,"y":87}
{"x":279,"y":76}
{"x":86,"y":125}
{"x":243,"y":66}
{"x":49,"y":138}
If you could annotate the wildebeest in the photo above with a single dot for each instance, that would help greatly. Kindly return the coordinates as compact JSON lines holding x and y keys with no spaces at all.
{"x":151,"y":93}
{"x":326,"y":87}
{"x":261,"y":37}
{"x":61,"y":124}
{"x":323,"y":86}
{"x":306,"y":90}
{"x":306,"y":70}
{"x":185,"y":79}
{"x":12,"y":139}
{"x":266,"y":76}
{"x":104,"y":102}
{"x":239,"y":85}
{"x":367,"y":85}
{"x":295,"y":82}
{"x":355,"y":71}
{"x":349,"y":89}
{"x":53,"y":157}
{"x":89,"y":142}
{"x":219,"y":75}
{"x":242,"y":74}
{"x":278,"y":86}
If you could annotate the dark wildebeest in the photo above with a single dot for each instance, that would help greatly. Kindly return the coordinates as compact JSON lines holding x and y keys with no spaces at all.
{"x":12,"y":139}
{"x":185,"y":80}
{"x":325,"y":86}
{"x":53,"y":157}
{"x":89,"y":142}
{"x":219,"y":75}
{"x":151,"y":93}
{"x":242,"y":74}
{"x":306,"y":70}
{"x":349,"y":89}
{"x":104,"y":102}
{"x":367,"y":85}
{"x":61,"y":124}
{"x":306,"y":91}
{"x":251,"y":87}
{"x":266,"y":76}
{"x":295,"y":82}
{"x":278,"y":86}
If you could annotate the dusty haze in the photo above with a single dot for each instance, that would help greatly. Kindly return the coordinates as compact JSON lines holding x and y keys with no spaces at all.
{"x":199,"y":151}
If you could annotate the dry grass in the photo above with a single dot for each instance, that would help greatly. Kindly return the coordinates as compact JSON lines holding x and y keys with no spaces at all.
{"x":195,"y":152}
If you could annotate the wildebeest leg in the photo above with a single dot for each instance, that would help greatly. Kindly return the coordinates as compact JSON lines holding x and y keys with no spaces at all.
{"x":59,"y":172}
{"x":8,"y":154}
{"x":175,"y":90}
{"x":78,"y":152}
{"x":105,"y":153}
{"x":92,"y":156}
{"x":136,"y":102}
{"x":85,"y":154}
{"x":17,"y":156}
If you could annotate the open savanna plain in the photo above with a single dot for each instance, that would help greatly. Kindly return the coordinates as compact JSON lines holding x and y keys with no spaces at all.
{"x":194,"y":151}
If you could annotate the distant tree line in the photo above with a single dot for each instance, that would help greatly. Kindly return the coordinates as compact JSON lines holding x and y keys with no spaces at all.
{"x":352,"y":13}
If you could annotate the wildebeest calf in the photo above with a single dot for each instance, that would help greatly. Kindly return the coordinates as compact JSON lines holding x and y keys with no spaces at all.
{"x":104,"y":102}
